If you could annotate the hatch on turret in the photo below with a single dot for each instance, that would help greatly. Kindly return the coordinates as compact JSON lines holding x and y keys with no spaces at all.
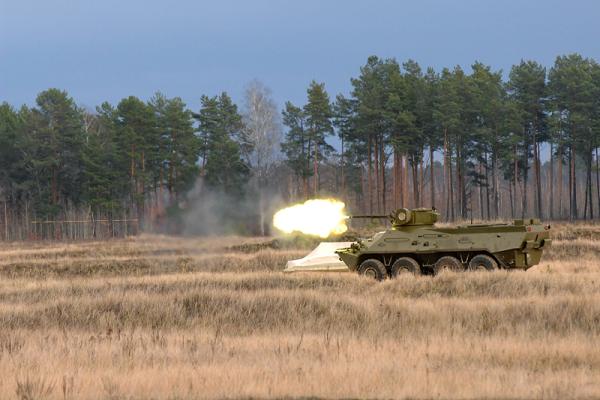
{"x":416,"y":216}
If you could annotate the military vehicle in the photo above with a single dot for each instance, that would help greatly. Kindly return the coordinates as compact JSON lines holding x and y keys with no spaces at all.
{"x":415,"y":245}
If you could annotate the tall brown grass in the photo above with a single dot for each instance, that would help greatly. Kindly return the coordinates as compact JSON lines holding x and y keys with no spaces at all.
{"x":172,"y":318}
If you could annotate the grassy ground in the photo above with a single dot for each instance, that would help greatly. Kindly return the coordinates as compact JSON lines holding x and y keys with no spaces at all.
{"x":163,"y":317}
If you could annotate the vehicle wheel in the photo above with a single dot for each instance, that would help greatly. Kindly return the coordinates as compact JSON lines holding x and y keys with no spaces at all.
{"x":447,"y":263}
{"x":405,"y":265}
{"x":482,"y":262}
{"x":373,"y":269}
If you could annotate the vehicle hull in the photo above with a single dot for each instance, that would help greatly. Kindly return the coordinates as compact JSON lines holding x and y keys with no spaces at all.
{"x":518,"y":245}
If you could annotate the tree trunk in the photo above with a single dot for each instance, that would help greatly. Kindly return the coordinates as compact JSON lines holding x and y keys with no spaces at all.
{"x":382,"y":173}
{"x":142,"y":188}
{"x":370,"y":175}
{"x":551,"y":181}
{"x":585,"y":195}
{"x":462,"y":193}
{"x":400,"y":181}
{"x":316,"y":169}
{"x":459,"y":197}
{"x":446,"y":185}
{"x":560,"y":181}
{"x":570,"y":184}
{"x":573,"y":172}
{"x":516,"y":176}
{"x":511,"y":199}
{"x":402,"y":193}
{"x":415,"y":179}
{"x":432,"y":177}
{"x":539,"y":182}
{"x":305,"y":158}
{"x":480,"y":193}
{"x":396,"y":179}
{"x":495,"y":188}
{"x":422,"y":179}
{"x":364,"y":188}
{"x":405,"y":193}
{"x":487,"y":187}
{"x":524,"y":210}
{"x":539,"y":173}
{"x":377,"y":188}
{"x":451,"y":191}
{"x":589,"y":189}
{"x":598,"y":180}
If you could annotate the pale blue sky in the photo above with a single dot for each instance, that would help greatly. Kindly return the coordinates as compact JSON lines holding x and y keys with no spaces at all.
{"x":107,"y":49}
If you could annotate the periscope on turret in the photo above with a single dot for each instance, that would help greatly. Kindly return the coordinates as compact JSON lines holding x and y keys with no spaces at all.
{"x":415,"y":245}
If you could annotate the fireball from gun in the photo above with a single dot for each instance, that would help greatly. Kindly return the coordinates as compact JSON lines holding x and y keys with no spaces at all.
{"x":317,"y":217}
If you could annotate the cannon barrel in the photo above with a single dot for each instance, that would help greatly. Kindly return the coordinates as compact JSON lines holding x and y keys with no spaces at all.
{"x":367,"y":216}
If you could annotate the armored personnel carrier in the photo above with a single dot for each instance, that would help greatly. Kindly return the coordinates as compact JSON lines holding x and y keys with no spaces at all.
{"x":415,"y":245}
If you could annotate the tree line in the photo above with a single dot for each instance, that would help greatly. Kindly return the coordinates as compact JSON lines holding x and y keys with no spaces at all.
{"x":470,"y":143}
{"x":67,"y":172}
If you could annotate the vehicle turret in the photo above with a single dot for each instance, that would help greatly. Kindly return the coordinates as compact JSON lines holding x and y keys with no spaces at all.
{"x":407,"y":217}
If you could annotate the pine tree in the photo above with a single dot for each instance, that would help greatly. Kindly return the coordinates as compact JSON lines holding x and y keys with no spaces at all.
{"x":488,"y":99}
{"x":573,"y":97}
{"x":344,"y":116}
{"x":179,"y":148}
{"x":107,"y":185}
{"x":373,"y":122}
{"x":431,"y":126}
{"x":296,"y":145}
{"x":416,"y":119}
{"x":527,"y":87}
{"x":447,"y":115}
{"x":13,"y":176}
{"x":55,"y":158}
{"x":220,"y":126}
{"x":139,"y":140}
{"x":318,"y":114}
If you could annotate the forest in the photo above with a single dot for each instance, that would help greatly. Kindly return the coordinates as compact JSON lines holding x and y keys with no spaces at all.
{"x":478,"y":144}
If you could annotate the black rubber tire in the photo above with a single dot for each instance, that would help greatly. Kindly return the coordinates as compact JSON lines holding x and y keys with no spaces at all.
{"x":483,"y":262}
{"x":448,"y":263}
{"x":373,"y":268}
{"x":405,"y":265}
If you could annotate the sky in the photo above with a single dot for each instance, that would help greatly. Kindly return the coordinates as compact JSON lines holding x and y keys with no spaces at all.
{"x":104,"y":50}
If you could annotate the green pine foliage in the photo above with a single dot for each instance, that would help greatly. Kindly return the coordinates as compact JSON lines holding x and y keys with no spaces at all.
{"x":220,"y":127}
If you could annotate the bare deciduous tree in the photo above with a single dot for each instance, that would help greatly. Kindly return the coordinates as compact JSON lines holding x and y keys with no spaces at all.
{"x":262,"y":138}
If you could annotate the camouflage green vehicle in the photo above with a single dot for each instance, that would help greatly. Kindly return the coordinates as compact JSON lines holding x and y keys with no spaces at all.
{"x":415,"y":245}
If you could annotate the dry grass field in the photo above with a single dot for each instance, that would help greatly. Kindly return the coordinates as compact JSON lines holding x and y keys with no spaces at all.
{"x":173,"y":318}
